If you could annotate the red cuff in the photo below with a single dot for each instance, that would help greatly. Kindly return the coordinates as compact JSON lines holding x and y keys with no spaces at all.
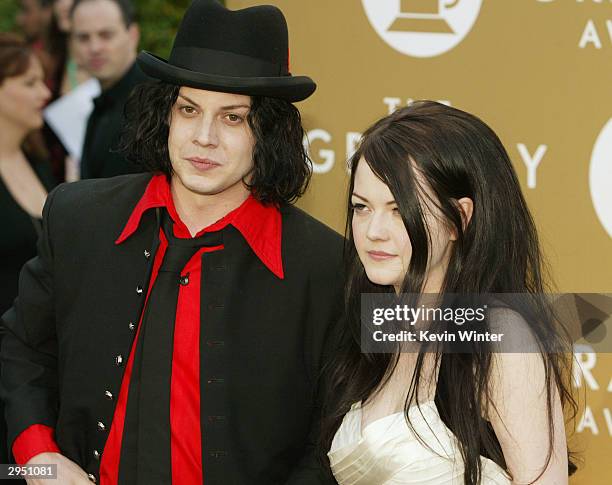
{"x":34,"y":440}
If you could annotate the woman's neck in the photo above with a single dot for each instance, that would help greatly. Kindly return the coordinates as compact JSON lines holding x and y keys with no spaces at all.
{"x":11,"y":138}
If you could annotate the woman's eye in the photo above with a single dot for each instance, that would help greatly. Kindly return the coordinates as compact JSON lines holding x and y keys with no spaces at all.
{"x":358,"y":207}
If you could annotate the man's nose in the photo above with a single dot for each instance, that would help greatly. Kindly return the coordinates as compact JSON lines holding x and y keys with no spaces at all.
{"x":95,"y":45}
{"x":206,"y":132}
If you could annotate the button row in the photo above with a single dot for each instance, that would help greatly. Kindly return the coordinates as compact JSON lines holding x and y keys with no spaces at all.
{"x":212,"y":419}
{"x":215,"y":343}
{"x":217,"y":454}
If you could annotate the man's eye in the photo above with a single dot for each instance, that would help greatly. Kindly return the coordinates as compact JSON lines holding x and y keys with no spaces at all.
{"x":234,"y":118}
{"x":188,"y":110}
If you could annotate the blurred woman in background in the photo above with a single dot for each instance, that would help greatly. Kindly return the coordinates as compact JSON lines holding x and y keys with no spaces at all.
{"x":25,"y":177}
{"x":69,"y":74}
{"x":64,"y":74}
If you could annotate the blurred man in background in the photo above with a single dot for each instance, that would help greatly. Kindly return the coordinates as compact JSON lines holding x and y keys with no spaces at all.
{"x":106,"y":38}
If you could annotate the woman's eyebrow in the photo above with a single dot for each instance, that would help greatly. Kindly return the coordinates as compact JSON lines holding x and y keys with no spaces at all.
{"x":355,"y":194}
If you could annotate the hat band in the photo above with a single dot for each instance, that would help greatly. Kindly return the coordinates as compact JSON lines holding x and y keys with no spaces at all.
{"x":222,"y":63}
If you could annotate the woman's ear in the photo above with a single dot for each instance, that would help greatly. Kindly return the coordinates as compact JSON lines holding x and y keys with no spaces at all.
{"x":466,"y":206}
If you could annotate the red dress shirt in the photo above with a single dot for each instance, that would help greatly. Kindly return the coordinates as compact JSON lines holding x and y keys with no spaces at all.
{"x":261,"y":227}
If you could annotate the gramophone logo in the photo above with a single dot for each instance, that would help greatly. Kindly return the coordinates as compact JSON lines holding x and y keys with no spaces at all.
{"x":600,"y":177}
{"x":422,"y":28}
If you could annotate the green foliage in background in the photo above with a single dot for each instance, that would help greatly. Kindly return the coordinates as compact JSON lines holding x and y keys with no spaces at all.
{"x":8,"y":9}
{"x":158,"y":20}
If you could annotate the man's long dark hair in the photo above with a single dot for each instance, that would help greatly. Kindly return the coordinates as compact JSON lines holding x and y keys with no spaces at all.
{"x":497,"y":252}
{"x":282,"y":168}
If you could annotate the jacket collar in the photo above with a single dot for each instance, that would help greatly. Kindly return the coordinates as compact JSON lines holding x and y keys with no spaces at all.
{"x":121,"y":89}
{"x":260,"y":225}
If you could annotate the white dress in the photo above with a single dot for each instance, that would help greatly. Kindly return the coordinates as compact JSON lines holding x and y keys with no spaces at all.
{"x":387,"y":452}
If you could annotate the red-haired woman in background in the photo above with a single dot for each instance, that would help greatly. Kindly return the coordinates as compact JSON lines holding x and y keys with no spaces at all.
{"x":24,"y":179}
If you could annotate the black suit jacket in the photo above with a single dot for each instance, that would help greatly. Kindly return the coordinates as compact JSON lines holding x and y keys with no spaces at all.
{"x":101,"y":156}
{"x":79,"y":296}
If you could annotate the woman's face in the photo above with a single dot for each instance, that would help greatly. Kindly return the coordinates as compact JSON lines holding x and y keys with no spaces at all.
{"x":381,"y":239}
{"x":23,"y":97}
{"x":61,"y":10}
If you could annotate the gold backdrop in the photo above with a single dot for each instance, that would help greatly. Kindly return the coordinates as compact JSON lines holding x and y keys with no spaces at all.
{"x":538,"y":71}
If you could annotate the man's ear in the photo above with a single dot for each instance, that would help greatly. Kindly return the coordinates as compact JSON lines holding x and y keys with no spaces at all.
{"x":466,"y":207}
{"x":134,"y":32}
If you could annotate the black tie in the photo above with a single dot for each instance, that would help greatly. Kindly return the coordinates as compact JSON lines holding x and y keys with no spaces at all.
{"x":145,"y":448}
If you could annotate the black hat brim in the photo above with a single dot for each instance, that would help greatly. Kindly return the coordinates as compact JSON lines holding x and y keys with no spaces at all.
{"x":290,"y":88}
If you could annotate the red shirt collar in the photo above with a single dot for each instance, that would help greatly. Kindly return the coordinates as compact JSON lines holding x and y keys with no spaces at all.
{"x":259,"y":225}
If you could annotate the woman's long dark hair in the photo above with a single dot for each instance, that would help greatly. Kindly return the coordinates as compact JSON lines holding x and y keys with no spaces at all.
{"x":497,"y":252}
{"x":282,"y":168}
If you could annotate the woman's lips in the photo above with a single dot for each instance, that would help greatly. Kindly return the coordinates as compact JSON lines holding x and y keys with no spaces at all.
{"x":380,"y":255}
{"x":203,"y":164}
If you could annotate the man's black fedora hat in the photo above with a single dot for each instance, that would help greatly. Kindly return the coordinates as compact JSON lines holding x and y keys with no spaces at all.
{"x":243,"y":52}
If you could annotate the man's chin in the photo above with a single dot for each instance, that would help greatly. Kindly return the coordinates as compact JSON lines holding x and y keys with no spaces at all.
{"x":104,"y":78}
{"x":204,"y":192}
{"x":204,"y":189}
{"x":198,"y":185}
{"x":37,"y":124}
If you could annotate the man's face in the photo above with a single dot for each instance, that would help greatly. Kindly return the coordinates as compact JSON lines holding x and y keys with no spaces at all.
{"x":33,"y":19}
{"x":210,"y":144}
{"x":102,"y":41}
